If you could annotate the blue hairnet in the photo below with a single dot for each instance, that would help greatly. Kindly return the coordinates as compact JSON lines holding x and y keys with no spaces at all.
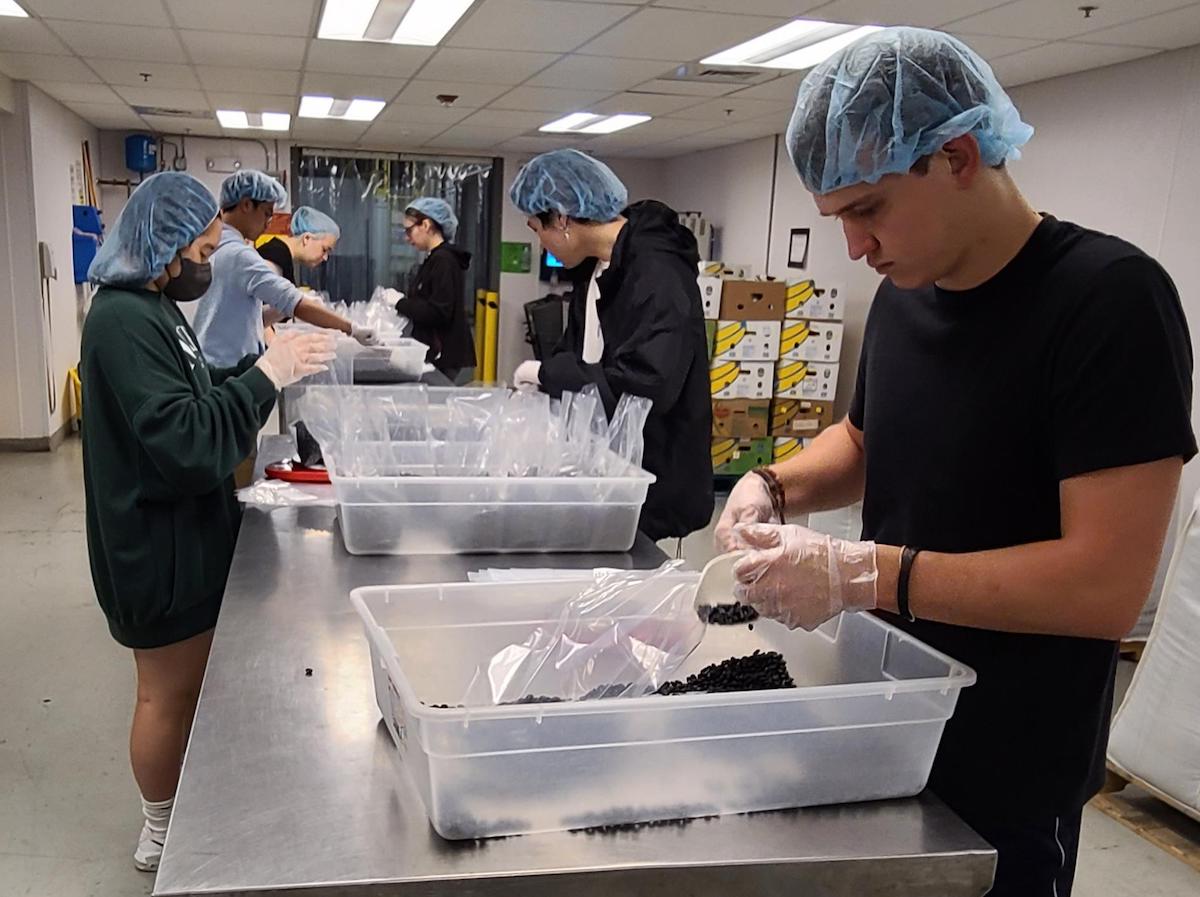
{"x":890,"y":99}
{"x":439,"y":211}
{"x":165,"y":214}
{"x":307,"y":220}
{"x":250,"y":184}
{"x":571,"y":183}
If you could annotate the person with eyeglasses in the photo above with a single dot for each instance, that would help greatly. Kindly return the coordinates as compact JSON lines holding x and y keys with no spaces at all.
{"x":437,"y":306}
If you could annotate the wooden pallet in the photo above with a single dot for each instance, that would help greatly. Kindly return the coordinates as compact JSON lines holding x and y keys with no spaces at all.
{"x":1155,"y":816}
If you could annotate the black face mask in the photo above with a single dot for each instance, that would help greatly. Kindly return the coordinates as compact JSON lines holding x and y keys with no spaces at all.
{"x":193,"y":281}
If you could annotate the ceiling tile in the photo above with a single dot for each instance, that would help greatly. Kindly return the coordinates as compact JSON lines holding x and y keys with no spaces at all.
{"x":926,"y":13}
{"x":781,"y":90}
{"x":127,"y":72}
{"x":785,"y":8}
{"x":749,"y":130}
{"x":484,"y":136}
{"x":991,"y":47}
{"x":597,"y":72}
{"x":1053,"y":21}
{"x":485,"y":66}
{"x":199,"y":127}
{"x":1168,"y":31}
{"x":29,"y":36}
{"x":316,"y":129}
{"x":119,"y":41}
{"x":481,"y":144}
{"x":470,"y":96}
{"x":424,"y":115}
{"x":162,"y":96}
{"x":534,"y":25}
{"x":411,"y":133}
{"x":542,"y":143}
{"x":342,"y":57}
{"x":251,"y":102}
{"x":38,"y":67}
{"x":294,"y":17}
{"x":507,"y":119}
{"x":108,"y":12}
{"x":234,"y":78}
{"x":1060,"y":58}
{"x":347,"y":87}
{"x":645,"y":103}
{"x":668,"y":34}
{"x":687,"y":88}
{"x":732,"y":109}
{"x":215,"y":48}
{"x":72,"y":92}
{"x":107,"y":115}
{"x":549,"y":99}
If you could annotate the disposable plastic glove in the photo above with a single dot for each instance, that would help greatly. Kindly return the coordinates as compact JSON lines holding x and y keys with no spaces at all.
{"x":801,"y":577}
{"x":365,"y":335}
{"x":749,"y":502}
{"x":527,"y":376}
{"x":294,"y":355}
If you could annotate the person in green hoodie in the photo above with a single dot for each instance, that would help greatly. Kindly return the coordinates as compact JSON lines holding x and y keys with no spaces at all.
{"x":162,"y":434}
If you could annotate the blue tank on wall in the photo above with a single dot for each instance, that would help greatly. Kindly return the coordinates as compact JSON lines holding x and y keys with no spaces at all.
{"x":141,"y":153}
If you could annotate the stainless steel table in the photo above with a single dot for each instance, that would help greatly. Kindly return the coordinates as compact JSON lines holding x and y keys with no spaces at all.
{"x":291,"y":782}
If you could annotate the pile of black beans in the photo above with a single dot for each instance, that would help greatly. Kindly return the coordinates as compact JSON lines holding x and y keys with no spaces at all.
{"x":731,"y":614}
{"x":761,"y":670}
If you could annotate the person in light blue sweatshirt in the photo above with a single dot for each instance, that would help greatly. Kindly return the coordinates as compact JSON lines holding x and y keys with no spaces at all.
{"x":229,"y":321}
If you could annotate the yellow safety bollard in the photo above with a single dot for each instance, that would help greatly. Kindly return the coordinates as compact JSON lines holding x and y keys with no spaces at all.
{"x":491,"y":337}
{"x":480,"y":327}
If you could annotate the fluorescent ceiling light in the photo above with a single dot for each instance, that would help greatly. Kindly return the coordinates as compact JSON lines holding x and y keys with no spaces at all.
{"x":800,"y":44}
{"x":415,"y":22}
{"x":357,"y":109}
{"x":10,"y":8}
{"x":590,"y":123}
{"x":236,"y":119}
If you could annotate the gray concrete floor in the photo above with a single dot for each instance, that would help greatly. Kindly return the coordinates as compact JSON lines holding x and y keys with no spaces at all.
{"x":68,"y":806}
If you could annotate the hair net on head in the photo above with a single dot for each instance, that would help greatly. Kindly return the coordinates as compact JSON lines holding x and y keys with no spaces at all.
{"x":250,"y":184}
{"x":890,"y":99}
{"x":439,"y":211}
{"x":307,"y":220}
{"x":165,"y":214}
{"x":571,"y":183}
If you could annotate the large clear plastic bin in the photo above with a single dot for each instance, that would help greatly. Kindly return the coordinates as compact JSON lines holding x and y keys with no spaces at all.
{"x":863,"y":723}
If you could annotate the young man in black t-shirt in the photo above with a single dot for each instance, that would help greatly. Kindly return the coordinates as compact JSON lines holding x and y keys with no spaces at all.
{"x":1019,"y":424}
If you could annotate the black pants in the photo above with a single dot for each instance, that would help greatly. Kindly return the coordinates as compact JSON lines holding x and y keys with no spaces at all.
{"x":1036,"y":857}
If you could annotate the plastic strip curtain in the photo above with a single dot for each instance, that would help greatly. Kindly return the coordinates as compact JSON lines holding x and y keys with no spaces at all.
{"x":367,"y":196}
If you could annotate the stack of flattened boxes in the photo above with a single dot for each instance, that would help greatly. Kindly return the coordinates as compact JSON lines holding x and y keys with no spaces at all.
{"x":774,"y":350}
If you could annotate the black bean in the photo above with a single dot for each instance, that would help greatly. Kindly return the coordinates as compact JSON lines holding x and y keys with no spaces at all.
{"x":758,"y":671}
{"x":731,"y":614}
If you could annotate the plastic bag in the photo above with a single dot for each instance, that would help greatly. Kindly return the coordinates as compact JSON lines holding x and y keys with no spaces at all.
{"x":623,"y":635}
{"x":278,"y":494}
{"x":625,"y":430}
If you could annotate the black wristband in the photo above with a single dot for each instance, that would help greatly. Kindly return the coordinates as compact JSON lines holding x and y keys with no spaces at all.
{"x":907,"y":556}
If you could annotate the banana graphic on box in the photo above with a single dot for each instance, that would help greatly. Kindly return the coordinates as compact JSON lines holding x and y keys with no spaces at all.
{"x":794,"y":336}
{"x":722,"y":451}
{"x":799,"y":293}
{"x":723,"y":375}
{"x":786,"y":447}
{"x":728,"y":336}
{"x":790,"y":375}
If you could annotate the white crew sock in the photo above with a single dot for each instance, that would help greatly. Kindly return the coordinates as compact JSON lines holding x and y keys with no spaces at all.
{"x":158,"y":816}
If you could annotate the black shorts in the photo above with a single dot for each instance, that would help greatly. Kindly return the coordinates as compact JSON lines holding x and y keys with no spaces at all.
{"x":166,"y":630}
{"x":1036,"y":857}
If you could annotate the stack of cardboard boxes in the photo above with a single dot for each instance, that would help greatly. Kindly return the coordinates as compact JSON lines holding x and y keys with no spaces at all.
{"x":774,"y":349}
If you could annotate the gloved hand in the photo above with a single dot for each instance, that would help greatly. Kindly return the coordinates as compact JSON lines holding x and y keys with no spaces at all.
{"x":365,"y":335}
{"x":749,"y":502}
{"x":391,"y":297}
{"x":801,"y":577}
{"x":294,"y":355}
{"x":527,"y":376}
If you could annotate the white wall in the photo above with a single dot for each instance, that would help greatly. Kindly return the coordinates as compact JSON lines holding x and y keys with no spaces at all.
{"x":57,"y":135}
{"x":40,"y":141}
{"x":24,"y":413}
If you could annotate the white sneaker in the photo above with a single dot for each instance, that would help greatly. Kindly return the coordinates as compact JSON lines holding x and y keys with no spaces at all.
{"x":149,"y":850}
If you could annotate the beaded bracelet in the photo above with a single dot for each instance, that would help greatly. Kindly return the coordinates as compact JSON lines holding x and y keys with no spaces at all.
{"x":774,"y":488}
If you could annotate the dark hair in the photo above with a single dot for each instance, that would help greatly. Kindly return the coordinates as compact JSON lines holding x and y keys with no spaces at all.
{"x":418,"y":217}
{"x":548,"y":218}
{"x":254,"y":202}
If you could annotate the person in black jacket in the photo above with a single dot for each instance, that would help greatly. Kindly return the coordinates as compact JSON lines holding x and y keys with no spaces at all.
{"x":436,"y":306}
{"x":635,"y":325}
